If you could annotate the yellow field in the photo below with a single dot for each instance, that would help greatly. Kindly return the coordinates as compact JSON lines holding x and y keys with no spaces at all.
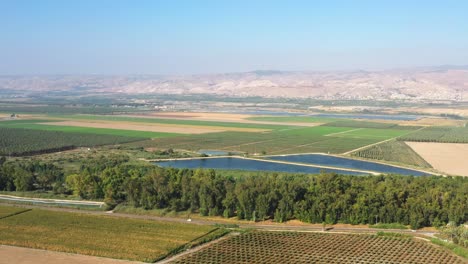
{"x":450,"y":158}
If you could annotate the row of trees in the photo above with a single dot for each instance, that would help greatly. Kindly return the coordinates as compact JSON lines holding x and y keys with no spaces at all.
{"x":329,"y":198}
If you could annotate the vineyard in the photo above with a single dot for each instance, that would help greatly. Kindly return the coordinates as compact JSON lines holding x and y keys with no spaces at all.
{"x":438,"y":134}
{"x":274,"y":247}
{"x":394,"y":151}
{"x":19,"y":141}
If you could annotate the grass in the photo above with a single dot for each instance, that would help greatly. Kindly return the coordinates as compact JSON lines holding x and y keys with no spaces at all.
{"x":32,"y":124}
{"x":459,"y":250}
{"x":389,"y":226}
{"x":7,"y":211}
{"x":105,"y":236}
{"x":393,"y":151}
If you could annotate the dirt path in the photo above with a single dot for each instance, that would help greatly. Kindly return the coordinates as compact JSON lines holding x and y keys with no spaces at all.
{"x":19,"y":255}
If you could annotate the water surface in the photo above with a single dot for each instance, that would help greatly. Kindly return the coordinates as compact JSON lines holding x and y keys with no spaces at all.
{"x":326,"y":160}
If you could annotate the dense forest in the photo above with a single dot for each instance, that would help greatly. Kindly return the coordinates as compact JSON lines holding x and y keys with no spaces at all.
{"x":322,"y":198}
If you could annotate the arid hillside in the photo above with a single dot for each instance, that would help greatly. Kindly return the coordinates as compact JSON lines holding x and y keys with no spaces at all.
{"x":417,"y":84}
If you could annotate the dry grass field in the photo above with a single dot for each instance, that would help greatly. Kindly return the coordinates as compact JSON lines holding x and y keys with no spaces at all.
{"x":20,"y":255}
{"x":105,"y":236}
{"x":450,"y":158}
{"x":181,"y":129}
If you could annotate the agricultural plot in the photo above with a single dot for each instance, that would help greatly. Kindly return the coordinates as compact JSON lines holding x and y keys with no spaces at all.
{"x":281,"y":247}
{"x":132,"y":239}
{"x":293,"y":140}
{"x":360,"y":124}
{"x":6,"y":211}
{"x":439,"y":134}
{"x":445,"y":157}
{"x":292,"y":119}
{"x":375,"y":133}
{"x":174,"y":121}
{"x":393,"y":151}
{"x":19,"y":141}
{"x":48,"y":125}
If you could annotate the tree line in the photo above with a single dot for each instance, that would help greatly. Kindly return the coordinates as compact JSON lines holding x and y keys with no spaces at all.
{"x":322,"y":198}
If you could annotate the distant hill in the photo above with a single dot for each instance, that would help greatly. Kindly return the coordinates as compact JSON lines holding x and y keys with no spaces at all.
{"x":415,"y":84}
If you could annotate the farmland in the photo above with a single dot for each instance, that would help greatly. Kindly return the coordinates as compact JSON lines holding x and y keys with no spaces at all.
{"x":295,"y":140}
{"x":282,"y":247}
{"x":132,"y":239}
{"x":447,"y":157}
{"x":49,"y":126}
{"x":20,"y":141}
{"x":6,"y":211}
{"x":393,"y":151}
{"x":439,"y":134}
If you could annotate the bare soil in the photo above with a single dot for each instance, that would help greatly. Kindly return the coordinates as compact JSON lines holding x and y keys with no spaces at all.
{"x":221,"y":117}
{"x":19,"y":255}
{"x":450,"y":158}
{"x":167,"y":128}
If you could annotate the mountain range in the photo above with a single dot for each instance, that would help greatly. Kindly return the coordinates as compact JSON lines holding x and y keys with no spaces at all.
{"x":441,"y":83}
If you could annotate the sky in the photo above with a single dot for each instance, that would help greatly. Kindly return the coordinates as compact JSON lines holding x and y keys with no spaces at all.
{"x":194,"y":37}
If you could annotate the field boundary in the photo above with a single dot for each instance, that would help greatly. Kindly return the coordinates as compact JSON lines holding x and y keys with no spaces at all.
{"x":195,"y":249}
{"x":16,"y":213}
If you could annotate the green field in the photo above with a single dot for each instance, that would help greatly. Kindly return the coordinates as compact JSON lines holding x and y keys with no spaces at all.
{"x":439,"y":134}
{"x":393,"y":151}
{"x":33,"y":124}
{"x":124,"y":238}
{"x":295,"y":140}
{"x":339,"y":137}
{"x":21,"y":141}
{"x":374,"y":133}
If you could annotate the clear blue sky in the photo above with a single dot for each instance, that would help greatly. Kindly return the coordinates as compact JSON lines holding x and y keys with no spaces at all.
{"x":185,"y":37}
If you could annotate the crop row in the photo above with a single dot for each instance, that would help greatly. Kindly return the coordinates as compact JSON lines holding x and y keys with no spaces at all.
{"x":395,"y":151}
{"x":273,"y":247}
{"x":106,"y":236}
{"x":19,"y":141}
{"x":439,"y":134}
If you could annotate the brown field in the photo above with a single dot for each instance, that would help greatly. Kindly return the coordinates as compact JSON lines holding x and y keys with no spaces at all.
{"x":450,"y":158}
{"x":221,"y":117}
{"x":152,"y":127}
{"x":290,"y":247}
{"x":19,"y":255}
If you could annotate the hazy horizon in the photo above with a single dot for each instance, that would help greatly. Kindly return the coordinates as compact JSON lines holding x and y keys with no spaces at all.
{"x":209,"y":37}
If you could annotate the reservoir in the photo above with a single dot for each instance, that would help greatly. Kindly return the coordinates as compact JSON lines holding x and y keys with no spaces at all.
{"x":312,"y":163}
{"x":233,"y":163}
{"x":327,"y":160}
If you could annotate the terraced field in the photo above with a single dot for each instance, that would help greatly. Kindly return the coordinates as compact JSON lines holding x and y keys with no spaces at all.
{"x":281,"y":247}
